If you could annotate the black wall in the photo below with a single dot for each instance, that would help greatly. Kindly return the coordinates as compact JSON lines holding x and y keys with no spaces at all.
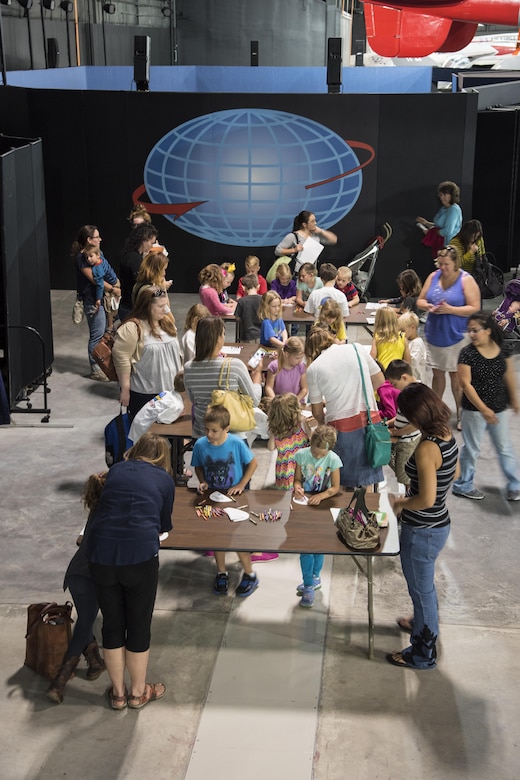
{"x":96,"y":143}
{"x":24,"y":265}
{"x":496,"y":190}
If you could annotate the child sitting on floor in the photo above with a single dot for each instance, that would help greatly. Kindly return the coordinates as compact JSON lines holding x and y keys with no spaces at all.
{"x":224,"y":462}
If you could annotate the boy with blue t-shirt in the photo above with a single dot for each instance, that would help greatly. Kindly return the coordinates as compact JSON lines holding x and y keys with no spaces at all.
{"x":317,"y":472}
{"x":224,"y":462}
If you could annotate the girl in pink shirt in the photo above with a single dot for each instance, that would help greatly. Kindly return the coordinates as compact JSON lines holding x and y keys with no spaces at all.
{"x":211,"y":285}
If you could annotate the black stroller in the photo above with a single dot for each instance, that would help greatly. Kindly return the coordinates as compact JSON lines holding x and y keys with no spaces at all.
{"x":508,"y":316}
{"x":367,"y":259}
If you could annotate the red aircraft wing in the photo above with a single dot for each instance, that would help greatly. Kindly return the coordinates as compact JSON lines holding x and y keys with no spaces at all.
{"x":416,"y":28}
{"x":392,"y":32}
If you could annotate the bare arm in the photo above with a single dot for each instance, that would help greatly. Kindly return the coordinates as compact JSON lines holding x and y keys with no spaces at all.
{"x":373,"y":349}
{"x":297,"y":483}
{"x":406,"y":354}
{"x":203,"y":485}
{"x":422,"y":303}
{"x":428,"y":459}
{"x":269,"y":385}
{"x":317,"y":498}
{"x":317,"y":413}
{"x":248,"y":473}
{"x":304,"y":388}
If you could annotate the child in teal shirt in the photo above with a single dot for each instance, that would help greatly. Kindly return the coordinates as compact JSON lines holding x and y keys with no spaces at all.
{"x":317,"y":473}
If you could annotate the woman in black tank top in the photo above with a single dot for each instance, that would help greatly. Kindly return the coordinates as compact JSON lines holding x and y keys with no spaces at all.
{"x":425,"y":521}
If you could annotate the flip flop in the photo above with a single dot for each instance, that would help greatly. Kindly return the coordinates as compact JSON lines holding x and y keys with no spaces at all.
{"x":153,"y":691}
{"x":405,"y":624}
{"x":117,"y":702}
{"x":396,"y":659}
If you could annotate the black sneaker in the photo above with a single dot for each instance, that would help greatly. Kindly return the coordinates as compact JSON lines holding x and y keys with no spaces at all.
{"x":220,"y":587}
{"x":248,"y":584}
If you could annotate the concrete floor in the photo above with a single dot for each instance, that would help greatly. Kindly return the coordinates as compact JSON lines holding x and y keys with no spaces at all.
{"x":261,"y":688}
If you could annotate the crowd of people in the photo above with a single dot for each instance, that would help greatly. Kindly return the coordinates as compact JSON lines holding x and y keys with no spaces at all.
{"x":346,"y":386}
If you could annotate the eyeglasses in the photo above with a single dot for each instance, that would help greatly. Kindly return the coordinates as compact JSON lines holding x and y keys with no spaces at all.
{"x":158,"y":293}
{"x":474,"y":331}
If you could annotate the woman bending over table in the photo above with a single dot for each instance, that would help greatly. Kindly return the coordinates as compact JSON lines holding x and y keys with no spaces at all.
{"x":122,"y":546}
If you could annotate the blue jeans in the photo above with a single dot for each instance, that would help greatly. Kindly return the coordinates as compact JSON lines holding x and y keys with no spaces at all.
{"x":419,"y":550}
{"x":473,"y":428}
{"x":97,"y":324}
{"x":311,"y":565}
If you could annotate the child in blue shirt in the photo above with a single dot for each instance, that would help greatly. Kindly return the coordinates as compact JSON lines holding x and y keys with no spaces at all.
{"x":224,"y":462}
{"x":316,"y":472}
{"x":273,"y":332}
{"x":102,"y":271}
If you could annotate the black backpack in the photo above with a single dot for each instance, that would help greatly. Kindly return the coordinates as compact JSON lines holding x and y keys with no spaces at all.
{"x":489,"y":278}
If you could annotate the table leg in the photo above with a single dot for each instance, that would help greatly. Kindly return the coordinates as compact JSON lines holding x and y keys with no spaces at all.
{"x":370,"y":604}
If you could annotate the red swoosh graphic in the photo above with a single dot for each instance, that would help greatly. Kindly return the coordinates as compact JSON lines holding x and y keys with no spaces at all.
{"x":355,"y":145}
{"x":163,"y":208}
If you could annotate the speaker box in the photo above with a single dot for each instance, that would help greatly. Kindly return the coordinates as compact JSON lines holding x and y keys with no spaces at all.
{"x":254,"y":52}
{"x":334,"y":63}
{"x":142,"y":48}
{"x":53,"y":53}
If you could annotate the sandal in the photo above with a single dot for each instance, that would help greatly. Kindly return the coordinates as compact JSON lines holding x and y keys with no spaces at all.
{"x":459,"y":424}
{"x":152,"y":692}
{"x":396,"y":659}
{"x":117,"y":702}
{"x":405,"y":623}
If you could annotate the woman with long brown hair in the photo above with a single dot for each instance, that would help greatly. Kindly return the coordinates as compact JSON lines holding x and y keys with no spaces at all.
{"x":425,"y":520}
{"x":146,"y":350}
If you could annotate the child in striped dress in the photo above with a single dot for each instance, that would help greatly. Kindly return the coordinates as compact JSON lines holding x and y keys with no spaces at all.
{"x":289,"y":433}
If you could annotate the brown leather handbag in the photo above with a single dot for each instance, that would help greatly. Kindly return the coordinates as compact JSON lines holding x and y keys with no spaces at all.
{"x":48,"y":636}
{"x":102,"y":354}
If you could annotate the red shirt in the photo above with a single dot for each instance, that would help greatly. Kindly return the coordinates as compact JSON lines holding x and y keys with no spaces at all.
{"x":261,"y":290}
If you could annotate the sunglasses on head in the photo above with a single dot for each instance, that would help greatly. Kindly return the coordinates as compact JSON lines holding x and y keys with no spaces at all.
{"x":158,"y":293}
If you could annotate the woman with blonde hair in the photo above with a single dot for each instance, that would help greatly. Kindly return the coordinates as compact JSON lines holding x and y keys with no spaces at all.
{"x":122,"y":546}
{"x":146,"y":350}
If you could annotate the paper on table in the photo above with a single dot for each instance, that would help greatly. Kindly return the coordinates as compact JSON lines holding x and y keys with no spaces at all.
{"x":374,"y":305}
{"x":231,"y":350}
{"x":312,"y":249}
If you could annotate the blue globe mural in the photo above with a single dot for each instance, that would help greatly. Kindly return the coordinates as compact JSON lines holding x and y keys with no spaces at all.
{"x":240,"y":176}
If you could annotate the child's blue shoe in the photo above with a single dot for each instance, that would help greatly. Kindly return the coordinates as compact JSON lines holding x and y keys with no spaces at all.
{"x":248,"y":584}
{"x":316,"y":584}
{"x":307,"y":599}
{"x":220,"y":586}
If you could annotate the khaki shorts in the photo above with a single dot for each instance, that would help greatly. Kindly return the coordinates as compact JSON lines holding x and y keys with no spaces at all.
{"x":445,"y":358}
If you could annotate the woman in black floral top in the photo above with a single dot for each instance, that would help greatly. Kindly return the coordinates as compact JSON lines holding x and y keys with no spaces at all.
{"x":487,"y":380}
